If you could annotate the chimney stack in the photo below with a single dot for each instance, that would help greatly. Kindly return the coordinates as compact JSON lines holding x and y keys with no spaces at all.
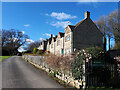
{"x":56,"y":36}
{"x":51,"y":35}
{"x":87,"y":14}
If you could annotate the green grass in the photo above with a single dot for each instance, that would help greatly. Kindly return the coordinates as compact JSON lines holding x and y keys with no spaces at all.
{"x":3,"y":57}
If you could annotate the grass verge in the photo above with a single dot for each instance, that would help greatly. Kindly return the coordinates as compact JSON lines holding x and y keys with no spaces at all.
{"x":3,"y":57}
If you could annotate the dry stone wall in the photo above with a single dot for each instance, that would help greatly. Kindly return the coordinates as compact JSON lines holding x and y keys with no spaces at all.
{"x":39,"y":61}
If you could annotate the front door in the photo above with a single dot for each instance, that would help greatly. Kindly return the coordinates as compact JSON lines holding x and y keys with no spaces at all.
{"x":62,"y":51}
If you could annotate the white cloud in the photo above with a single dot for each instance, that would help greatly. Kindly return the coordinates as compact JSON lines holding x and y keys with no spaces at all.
{"x":21,"y":49}
{"x":47,"y":34}
{"x":61,"y":24}
{"x":61,"y":16}
{"x":41,"y":39}
{"x":23,"y":32}
{"x":27,"y":25}
{"x":29,"y":41}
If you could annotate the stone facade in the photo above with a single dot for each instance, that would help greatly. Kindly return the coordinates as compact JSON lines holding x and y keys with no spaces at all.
{"x":82,"y":35}
{"x":52,"y":45}
{"x":43,"y":45}
{"x":59,"y":48}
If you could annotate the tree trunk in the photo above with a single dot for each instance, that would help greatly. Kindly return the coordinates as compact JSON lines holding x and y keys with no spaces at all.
{"x":104,"y":42}
{"x":109,"y":42}
{"x":116,"y":44}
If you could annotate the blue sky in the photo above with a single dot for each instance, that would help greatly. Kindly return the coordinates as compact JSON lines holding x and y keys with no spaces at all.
{"x":40,"y":19}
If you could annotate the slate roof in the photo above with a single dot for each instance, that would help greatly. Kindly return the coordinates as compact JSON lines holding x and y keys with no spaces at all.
{"x":73,"y":27}
{"x":61,"y":34}
{"x":55,"y":37}
{"x":49,"y":40}
{"x":79,"y":23}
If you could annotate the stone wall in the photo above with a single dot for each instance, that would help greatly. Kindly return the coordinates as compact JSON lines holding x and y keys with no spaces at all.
{"x":39,"y":62}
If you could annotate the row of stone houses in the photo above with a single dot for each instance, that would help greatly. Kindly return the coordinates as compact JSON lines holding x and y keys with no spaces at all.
{"x":82,"y":35}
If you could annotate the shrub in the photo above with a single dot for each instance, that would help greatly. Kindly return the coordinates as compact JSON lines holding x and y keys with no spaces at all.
{"x":52,"y":74}
{"x":23,"y":53}
{"x":63,"y":82}
{"x":95,"y":52}
{"x":53,"y":61}
{"x":77,"y":68}
{"x":59,"y":62}
{"x":35,"y":50}
{"x":87,"y":54}
{"x":55,"y":72}
{"x":91,"y":88}
{"x":40,"y":51}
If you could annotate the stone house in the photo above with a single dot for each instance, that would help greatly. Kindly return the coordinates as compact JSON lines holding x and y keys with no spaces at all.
{"x":59,"y":44}
{"x":52,"y":45}
{"x":43,"y":45}
{"x":49,"y":43}
{"x":82,"y":35}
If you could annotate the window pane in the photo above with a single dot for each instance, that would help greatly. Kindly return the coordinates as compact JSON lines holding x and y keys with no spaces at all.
{"x":58,"y":42}
{"x":67,"y":38}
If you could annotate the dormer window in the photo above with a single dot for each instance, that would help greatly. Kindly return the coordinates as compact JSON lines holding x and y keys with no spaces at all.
{"x":67,"y":30}
{"x":67,"y":38}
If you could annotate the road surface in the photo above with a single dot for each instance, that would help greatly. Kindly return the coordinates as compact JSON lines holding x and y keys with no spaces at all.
{"x":17,"y":73}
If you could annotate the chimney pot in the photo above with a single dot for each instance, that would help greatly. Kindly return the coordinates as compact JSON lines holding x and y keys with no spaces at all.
{"x":87,"y":14}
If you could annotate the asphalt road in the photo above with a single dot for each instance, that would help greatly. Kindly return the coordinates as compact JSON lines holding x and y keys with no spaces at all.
{"x":17,"y":73}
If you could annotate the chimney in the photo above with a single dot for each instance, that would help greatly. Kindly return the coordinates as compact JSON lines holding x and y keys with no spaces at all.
{"x":87,"y":14}
{"x":56,"y":36}
{"x":51,"y":35}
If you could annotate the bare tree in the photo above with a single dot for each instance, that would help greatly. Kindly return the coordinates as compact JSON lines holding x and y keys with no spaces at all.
{"x":33,"y":45}
{"x":109,"y":26}
{"x":101,"y":23}
{"x":113,"y":26}
{"x":12,"y":40}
